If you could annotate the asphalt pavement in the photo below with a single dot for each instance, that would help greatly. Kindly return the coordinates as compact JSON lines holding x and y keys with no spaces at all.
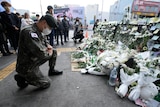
{"x":72,"y":89}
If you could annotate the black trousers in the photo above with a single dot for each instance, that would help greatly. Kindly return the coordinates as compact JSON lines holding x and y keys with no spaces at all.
{"x":3,"y":44}
{"x":59,"y":33}
{"x":79,"y":36}
{"x":66,"y":34}
{"x":33,"y":74}
{"x":13,"y":37}
{"x":51,"y":37}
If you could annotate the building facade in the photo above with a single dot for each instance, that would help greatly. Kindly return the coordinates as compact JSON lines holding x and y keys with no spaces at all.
{"x":146,"y":8}
{"x":91,"y":13}
{"x":120,"y":9}
{"x":123,"y":10}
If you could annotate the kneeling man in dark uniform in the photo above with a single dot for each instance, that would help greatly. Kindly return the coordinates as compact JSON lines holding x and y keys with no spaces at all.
{"x":34,"y":50}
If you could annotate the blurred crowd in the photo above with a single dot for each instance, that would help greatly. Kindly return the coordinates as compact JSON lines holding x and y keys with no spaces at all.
{"x":11,"y":25}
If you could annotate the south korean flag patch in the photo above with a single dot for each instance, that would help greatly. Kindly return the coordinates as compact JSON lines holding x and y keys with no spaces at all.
{"x":34,"y":35}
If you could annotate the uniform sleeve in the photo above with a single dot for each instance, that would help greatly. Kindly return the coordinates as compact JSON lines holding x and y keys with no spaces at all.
{"x":34,"y":45}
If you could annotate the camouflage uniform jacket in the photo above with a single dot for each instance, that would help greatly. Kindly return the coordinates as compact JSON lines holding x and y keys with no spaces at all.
{"x":32,"y":49}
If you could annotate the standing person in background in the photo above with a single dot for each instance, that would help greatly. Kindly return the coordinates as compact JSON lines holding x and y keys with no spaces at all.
{"x":19,"y":17}
{"x":26,"y":21}
{"x":66,"y":26}
{"x":77,"y":26}
{"x":52,"y":34}
{"x":11,"y":21}
{"x":3,"y":41}
{"x":95,"y":25}
{"x":37,"y":18}
{"x":59,"y":30}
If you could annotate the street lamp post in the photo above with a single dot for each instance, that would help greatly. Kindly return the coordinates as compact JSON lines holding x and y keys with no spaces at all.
{"x":41,"y":7}
{"x":102,"y":10}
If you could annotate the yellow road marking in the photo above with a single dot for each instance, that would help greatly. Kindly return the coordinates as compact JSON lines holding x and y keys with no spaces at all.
{"x":59,"y":50}
{"x":74,"y":66}
{"x":7,"y":70}
{"x":10,"y":68}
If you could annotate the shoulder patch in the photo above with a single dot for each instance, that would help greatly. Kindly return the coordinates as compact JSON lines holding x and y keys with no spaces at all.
{"x":34,"y":35}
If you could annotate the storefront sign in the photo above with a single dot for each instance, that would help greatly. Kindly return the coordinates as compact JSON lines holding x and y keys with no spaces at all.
{"x":146,"y":8}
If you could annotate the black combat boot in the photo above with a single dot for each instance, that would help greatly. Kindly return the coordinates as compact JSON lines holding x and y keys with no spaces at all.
{"x":75,"y":41}
{"x":54,"y":72}
{"x":21,"y":82}
{"x":80,"y":41}
{"x":5,"y":54}
{"x":9,"y":53}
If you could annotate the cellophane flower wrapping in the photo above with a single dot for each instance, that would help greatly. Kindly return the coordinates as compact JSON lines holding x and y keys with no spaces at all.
{"x":144,"y":88}
{"x":126,"y":81}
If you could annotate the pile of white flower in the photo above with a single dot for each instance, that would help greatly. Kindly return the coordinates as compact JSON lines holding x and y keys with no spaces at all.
{"x":108,"y":49}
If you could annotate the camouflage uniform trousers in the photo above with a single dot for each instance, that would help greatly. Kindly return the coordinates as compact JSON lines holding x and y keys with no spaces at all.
{"x":35,"y":77}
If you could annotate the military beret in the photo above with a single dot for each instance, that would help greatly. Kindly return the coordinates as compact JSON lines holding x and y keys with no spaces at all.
{"x":50,"y":20}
